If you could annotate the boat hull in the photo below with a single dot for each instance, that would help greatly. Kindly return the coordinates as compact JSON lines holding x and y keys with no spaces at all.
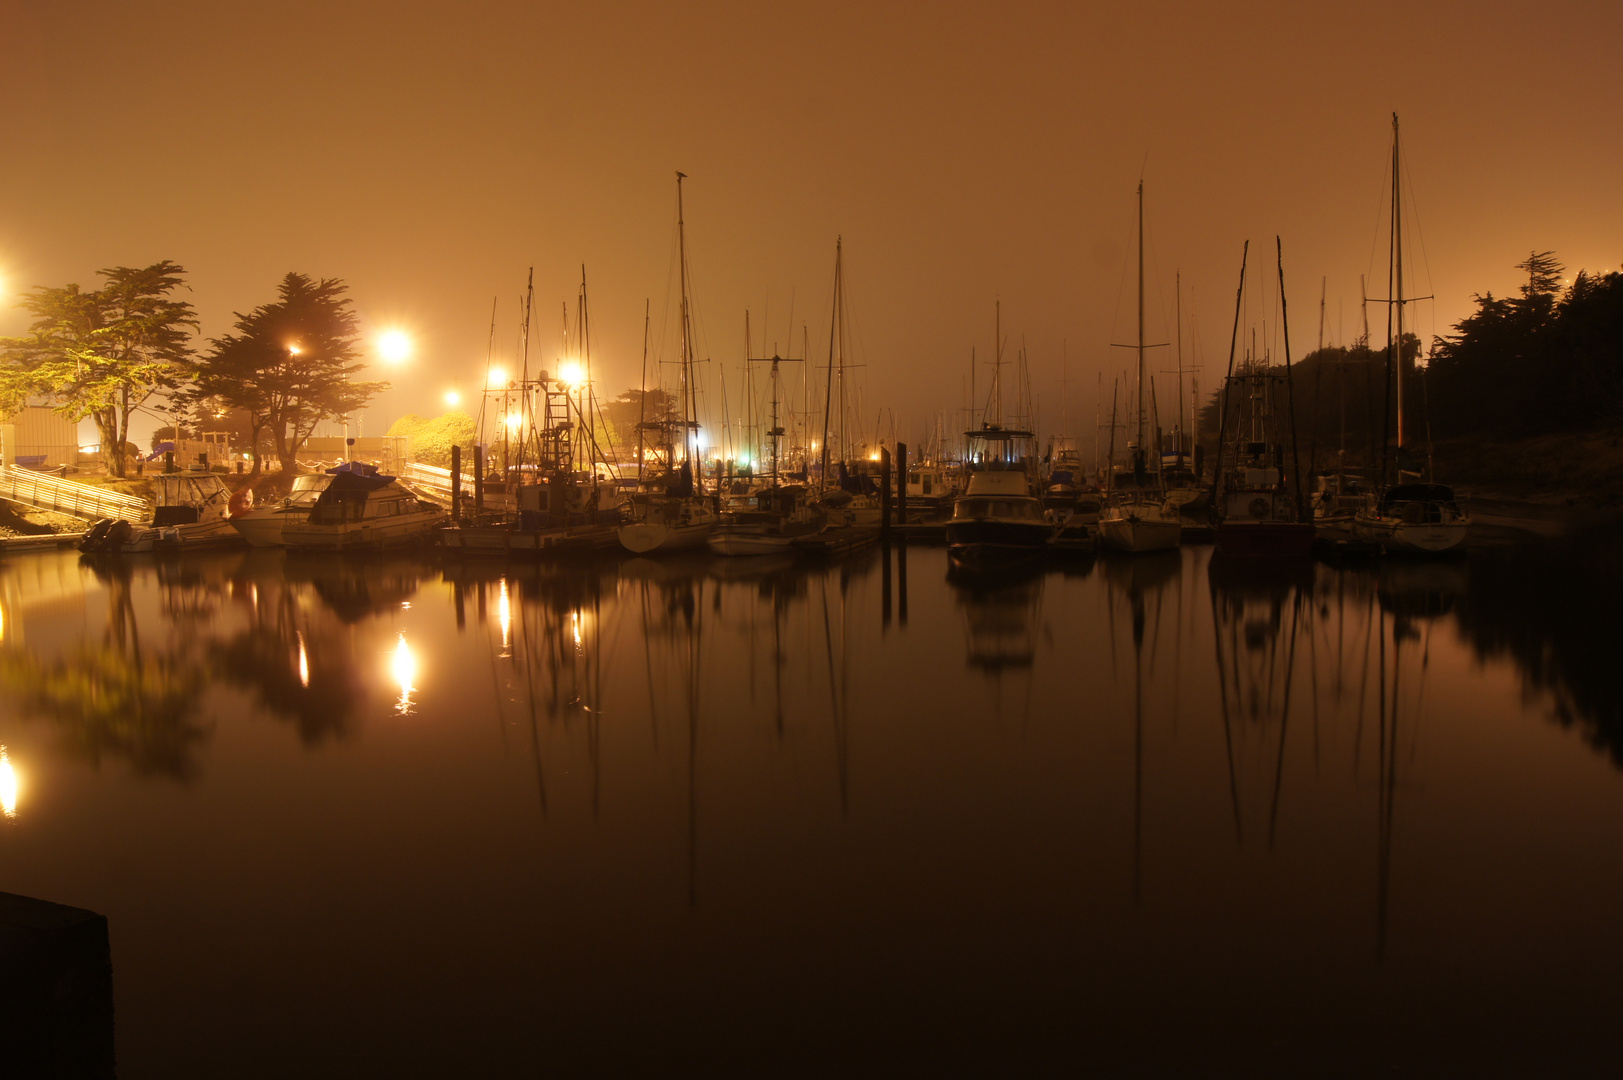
{"x":990,"y":536}
{"x":645,"y":537}
{"x":360,"y":535}
{"x":140,"y":539}
{"x":261,"y":528}
{"x":1265,"y":539}
{"x":507,"y":540}
{"x":726,"y":542}
{"x":1140,"y":527}
{"x":1400,"y":537}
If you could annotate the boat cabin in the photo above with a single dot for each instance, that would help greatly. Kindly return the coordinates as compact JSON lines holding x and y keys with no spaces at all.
{"x":187,"y":497}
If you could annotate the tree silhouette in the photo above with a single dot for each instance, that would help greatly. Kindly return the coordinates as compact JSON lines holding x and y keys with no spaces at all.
{"x":289,"y":365}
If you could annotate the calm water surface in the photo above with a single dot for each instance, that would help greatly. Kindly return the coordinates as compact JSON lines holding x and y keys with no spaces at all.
{"x":1150,"y":816}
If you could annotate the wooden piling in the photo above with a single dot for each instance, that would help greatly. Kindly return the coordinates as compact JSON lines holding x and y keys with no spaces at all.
{"x":901,"y":483}
{"x":478,"y":480}
{"x":884,"y":494}
{"x":456,"y":495}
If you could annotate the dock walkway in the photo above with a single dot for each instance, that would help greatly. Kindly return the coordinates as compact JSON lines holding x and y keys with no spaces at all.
{"x":69,"y":497}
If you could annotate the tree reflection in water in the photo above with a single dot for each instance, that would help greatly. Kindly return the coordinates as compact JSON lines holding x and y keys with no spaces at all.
{"x":1552,"y":605}
{"x":117,"y":697}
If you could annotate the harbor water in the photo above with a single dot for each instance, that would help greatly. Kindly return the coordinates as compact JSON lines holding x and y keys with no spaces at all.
{"x":1157,"y":815}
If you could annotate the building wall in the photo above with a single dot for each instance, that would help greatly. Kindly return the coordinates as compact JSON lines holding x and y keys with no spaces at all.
{"x":36,"y":431}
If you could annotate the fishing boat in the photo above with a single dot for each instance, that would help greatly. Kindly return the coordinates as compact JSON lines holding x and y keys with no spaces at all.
{"x":563,"y":489}
{"x":262,"y":525}
{"x":361,"y":508}
{"x":929,"y":489}
{"x":192,"y":510}
{"x":1414,"y":515}
{"x":1137,"y":516}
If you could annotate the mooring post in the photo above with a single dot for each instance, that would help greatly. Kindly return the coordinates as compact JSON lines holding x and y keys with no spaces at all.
{"x":478,"y":479}
{"x":901,"y":483}
{"x":884,"y":494}
{"x":456,"y":491}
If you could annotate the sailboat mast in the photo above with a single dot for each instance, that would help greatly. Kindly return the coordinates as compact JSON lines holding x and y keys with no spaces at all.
{"x":1397,"y":276}
{"x":997,"y":363}
{"x":1141,"y":317}
{"x":1177,"y":309}
{"x":687,"y":349}
{"x":828,"y":382}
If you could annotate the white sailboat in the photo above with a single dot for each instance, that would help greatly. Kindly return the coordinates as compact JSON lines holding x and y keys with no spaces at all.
{"x":1137,"y":517}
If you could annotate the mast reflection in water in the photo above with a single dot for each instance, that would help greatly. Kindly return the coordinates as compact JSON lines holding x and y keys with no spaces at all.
{"x":771,"y":811}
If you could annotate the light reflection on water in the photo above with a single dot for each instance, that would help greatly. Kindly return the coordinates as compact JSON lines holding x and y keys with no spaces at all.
{"x":805,"y":796}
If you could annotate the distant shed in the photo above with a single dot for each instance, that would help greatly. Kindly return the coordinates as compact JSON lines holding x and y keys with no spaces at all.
{"x":37,"y":436}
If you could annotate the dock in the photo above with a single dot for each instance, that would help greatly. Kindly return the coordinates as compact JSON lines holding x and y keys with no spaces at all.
{"x":86,"y":501}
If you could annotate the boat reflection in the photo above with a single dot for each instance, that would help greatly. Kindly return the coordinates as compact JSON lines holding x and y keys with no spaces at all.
{"x":1002,"y":609}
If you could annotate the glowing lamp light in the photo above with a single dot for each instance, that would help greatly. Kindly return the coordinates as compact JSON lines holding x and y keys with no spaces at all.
{"x":452,"y":398}
{"x":294,"y":350}
{"x":497,"y":377}
{"x":571,"y":373}
{"x":394,"y":346}
{"x":515,"y":421}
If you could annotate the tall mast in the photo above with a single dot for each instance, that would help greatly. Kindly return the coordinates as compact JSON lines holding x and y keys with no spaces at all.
{"x":828,"y":385}
{"x":1397,"y":277}
{"x":1141,"y":317}
{"x":997,"y":364}
{"x":687,"y":344}
{"x":1177,"y":309}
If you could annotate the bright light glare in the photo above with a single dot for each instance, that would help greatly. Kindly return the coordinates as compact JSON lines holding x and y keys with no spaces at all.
{"x":515,"y":421}
{"x":394,"y":346}
{"x":497,"y":377}
{"x":304,"y":663}
{"x":570,"y":373}
{"x":8,"y":784}
{"x":504,"y":610}
{"x":294,"y":350}
{"x":452,"y":398}
{"x":404,"y":667}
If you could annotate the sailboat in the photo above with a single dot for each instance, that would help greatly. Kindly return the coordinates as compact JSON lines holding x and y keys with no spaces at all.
{"x":767,"y":520}
{"x":1137,"y":516}
{"x":672,"y":511}
{"x":1254,"y":510}
{"x":1412,"y":515}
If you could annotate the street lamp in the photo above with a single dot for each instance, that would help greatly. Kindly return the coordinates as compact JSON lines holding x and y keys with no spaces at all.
{"x":394,"y":346}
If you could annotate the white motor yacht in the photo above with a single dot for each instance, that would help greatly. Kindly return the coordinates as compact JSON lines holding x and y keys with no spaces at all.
{"x":361,"y":508}
{"x":262,"y":525}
